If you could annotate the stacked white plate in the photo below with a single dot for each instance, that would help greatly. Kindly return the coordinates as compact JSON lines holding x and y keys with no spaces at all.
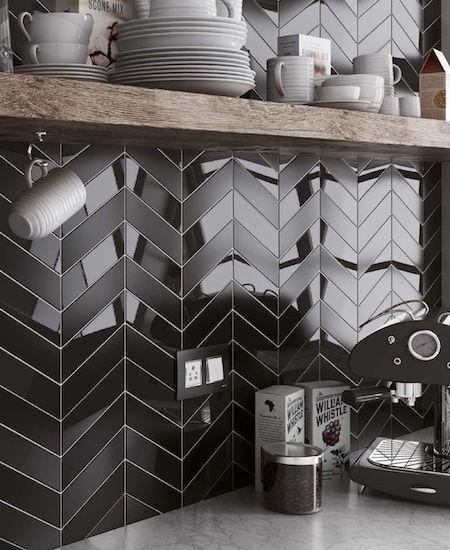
{"x":65,"y":70}
{"x":187,"y":54}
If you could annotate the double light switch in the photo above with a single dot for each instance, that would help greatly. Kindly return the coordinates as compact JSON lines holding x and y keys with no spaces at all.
{"x":193,"y":376}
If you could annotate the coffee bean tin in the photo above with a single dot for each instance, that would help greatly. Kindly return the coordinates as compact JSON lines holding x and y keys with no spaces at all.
{"x":292,"y":477}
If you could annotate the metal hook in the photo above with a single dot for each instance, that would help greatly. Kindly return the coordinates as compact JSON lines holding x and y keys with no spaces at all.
{"x":40,"y":136}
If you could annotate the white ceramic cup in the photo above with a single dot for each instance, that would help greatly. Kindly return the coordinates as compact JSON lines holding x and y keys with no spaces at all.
{"x":380,"y":64}
{"x":183,"y":8}
{"x":47,"y":204}
{"x":410,"y":106}
{"x":229,"y":8}
{"x":290,"y":79}
{"x":337,"y":93}
{"x":41,"y":28}
{"x":390,"y":105}
{"x":57,"y":53}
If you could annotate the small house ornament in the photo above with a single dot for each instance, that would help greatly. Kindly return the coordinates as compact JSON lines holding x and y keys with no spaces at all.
{"x":435,"y":86}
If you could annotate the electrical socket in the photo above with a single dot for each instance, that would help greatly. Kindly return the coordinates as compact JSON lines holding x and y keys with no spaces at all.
{"x":193,"y":374}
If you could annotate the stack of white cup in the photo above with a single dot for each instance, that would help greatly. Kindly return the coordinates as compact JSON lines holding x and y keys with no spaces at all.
{"x":381,"y":64}
{"x":55,"y":37}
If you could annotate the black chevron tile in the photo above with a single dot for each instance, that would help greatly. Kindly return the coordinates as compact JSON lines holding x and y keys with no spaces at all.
{"x":153,"y":426}
{"x":92,"y":161}
{"x":253,"y":370}
{"x":92,"y":441}
{"x":93,"y":301}
{"x":92,"y":407}
{"x":98,"y":226}
{"x":99,"y":191}
{"x":159,"y":166}
{"x":210,"y":411}
{"x":253,"y":311}
{"x":223,"y":485}
{"x":208,"y":226}
{"x":152,"y":392}
{"x":255,"y":253}
{"x":241,"y":478}
{"x":25,"y":494}
{"x":151,"y":490}
{"x":202,"y":200}
{"x":210,"y":474}
{"x":254,"y":281}
{"x":222,"y":334}
{"x":211,"y":316}
{"x":27,"y":457}
{"x":26,"y":531}
{"x":244,"y":423}
{"x":153,"y":293}
{"x":89,"y":375}
{"x":95,"y":508}
{"x":199,"y":166}
{"x":92,"y":477}
{"x":137,"y":511}
{"x":93,"y":336}
{"x":153,"y":227}
{"x":114,"y":519}
{"x":204,"y":449}
{"x":255,"y":342}
{"x":153,"y":458}
{"x":23,"y":268}
{"x":93,"y":266}
{"x":256,"y":192}
{"x":244,"y":393}
{"x":30,"y":311}
{"x":244,"y":453}
{"x":153,"y":260}
{"x":147,"y":188}
{"x":29,"y":384}
{"x":151,"y":358}
{"x":207,"y":259}
{"x":29,"y":421}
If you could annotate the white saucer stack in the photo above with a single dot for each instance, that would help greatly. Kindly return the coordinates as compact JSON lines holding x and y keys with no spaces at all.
{"x":194,"y":54}
{"x":72,"y":71}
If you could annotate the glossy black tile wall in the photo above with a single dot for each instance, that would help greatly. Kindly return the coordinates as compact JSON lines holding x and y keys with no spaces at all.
{"x":282,"y":257}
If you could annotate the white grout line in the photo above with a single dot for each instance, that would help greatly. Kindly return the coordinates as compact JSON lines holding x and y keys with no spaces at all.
{"x":30,"y":254}
{"x":153,"y":410}
{"x":153,"y":475}
{"x":22,"y":436}
{"x":30,"y":403}
{"x":18,"y":321}
{"x":33,"y":479}
{"x":129,"y":427}
{"x":104,"y":516}
{"x":12,"y":544}
{"x":143,"y":503}
{"x":37,"y":371}
{"x":24,"y":512}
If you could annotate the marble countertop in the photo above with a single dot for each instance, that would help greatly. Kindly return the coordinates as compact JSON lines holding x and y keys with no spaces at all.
{"x":239,"y":521}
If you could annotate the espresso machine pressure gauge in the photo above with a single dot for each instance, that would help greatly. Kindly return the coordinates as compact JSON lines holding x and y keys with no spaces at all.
{"x":424,"y":345}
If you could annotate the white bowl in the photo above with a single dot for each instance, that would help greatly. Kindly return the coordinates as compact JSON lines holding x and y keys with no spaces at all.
{"x":337,"y":93}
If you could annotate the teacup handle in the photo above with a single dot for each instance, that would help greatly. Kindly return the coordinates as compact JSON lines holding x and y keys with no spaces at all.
{"x":277,"y":77}
{"x":42,"y":164}
{"x":397,"y":74}
{"x":24,"y":16}
{"x":32,"y":53}
{"x":230,"y":7}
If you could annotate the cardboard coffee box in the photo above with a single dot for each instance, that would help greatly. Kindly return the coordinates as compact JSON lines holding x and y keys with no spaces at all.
{"x":107,"y":15}
{"x":279,"y":416}
{"x":309,"y":46}
{"x":327,"y":425}
{"x":435,"y":86}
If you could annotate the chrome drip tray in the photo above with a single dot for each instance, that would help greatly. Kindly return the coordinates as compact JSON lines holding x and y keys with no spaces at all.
{"x":408,"y":455}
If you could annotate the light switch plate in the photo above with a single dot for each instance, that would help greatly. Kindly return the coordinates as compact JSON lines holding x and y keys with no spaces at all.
{"x":202,"y":371}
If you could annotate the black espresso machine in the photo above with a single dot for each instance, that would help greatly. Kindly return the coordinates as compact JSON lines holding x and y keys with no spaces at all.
{"x":411,"y":349}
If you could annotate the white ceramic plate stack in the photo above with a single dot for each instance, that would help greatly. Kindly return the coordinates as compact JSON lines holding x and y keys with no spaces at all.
{"x":72,"y":71}
{"x":371,"y":91}
{"x":195,"y":54}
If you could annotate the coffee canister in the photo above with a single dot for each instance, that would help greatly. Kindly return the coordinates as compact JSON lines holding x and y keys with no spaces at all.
{"x":292,"y":477}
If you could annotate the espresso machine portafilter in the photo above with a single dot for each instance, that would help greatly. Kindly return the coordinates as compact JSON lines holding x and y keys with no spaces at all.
{"x":409,"y":350}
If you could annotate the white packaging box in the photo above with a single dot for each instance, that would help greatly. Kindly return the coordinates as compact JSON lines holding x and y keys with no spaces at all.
{"x":107,"y":14}
{"x":327,"y":425}
{"x":279,"y":416}
{"x":309,"y":46}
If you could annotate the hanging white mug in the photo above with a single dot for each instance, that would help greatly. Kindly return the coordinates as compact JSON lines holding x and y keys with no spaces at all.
{"x":48,"y":203}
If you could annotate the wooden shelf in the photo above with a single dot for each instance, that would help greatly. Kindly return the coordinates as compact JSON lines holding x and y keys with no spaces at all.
{"x":82,"y":112}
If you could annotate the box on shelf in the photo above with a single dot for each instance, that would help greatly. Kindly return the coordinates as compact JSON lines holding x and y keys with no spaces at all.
{"x":310,"y":46}
{"x":279,"y":416}
{"x":327,"y":425}
{"x":435,"y":86}
{"x":107,"y":15}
